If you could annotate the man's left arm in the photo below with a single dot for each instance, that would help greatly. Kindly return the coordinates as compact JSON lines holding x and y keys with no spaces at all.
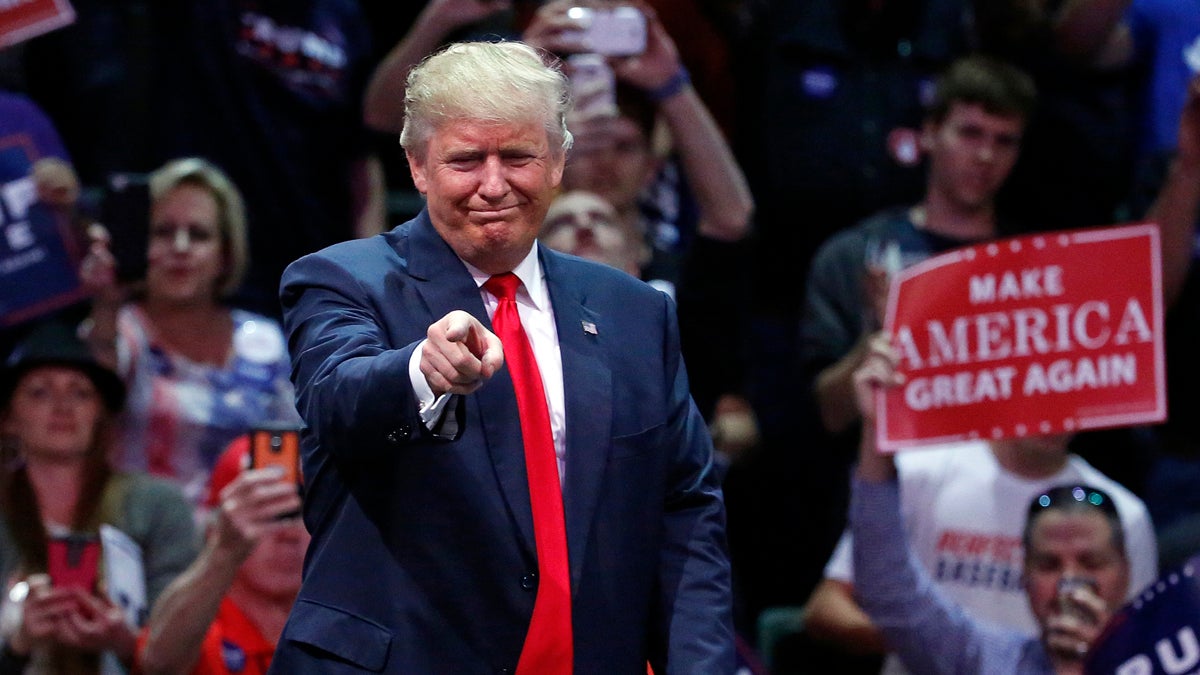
{"x":695,"y":623}
{"x":721,"y":189}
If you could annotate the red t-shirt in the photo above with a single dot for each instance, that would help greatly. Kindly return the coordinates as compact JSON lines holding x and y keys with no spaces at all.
{"x":232,"y":645}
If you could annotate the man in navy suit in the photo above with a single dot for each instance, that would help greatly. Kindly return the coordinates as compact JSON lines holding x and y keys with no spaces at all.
{"x":426,"y":557}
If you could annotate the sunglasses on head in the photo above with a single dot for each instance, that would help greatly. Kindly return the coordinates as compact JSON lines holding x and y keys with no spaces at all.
{"x":1066,"y":496}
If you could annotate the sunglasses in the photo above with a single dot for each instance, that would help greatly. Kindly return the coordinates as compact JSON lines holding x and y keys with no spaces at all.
{"x":1067,"y":496}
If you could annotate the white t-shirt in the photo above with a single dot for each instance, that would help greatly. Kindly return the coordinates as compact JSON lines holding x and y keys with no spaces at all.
{"x":965,"y":514}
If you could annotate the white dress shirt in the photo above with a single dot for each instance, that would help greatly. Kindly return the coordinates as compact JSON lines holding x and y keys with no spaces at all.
{"x":537,"y":318}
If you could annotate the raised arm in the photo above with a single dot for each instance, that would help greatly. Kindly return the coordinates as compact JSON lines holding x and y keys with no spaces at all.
{"x":1092,"y":32}
{"x":98,"y":272}
{"x":180,"y":620}
{"x":383,"y":106}
{"x":1177,"y":206}
{"x":717,"y":181}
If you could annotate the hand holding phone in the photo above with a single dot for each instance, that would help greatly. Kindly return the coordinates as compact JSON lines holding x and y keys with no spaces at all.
{"x":593,"y":87}
{"x":277,"y":447}
{"x":73,"y":561}
{"x":612,"y":31}
{"x":1067,"y":602}
{"x":1080,"y":615}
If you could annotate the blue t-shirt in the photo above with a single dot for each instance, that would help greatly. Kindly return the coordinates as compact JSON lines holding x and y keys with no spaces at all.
{"x":1167,"y":38}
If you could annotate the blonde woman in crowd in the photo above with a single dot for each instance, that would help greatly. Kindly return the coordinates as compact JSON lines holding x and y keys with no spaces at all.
{"x":199,"y":372}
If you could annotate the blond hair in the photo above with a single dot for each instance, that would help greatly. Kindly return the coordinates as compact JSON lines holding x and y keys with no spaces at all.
{"x":230,"y":209}
{"x":501,"y":82}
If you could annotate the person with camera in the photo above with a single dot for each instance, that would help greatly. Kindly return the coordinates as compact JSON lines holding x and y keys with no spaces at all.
{"x":615,"y":154}
{"x":199,"y":372}
{"x":225,"y":612}
{"x":57,"y":492}
{"x":1075,"y":568}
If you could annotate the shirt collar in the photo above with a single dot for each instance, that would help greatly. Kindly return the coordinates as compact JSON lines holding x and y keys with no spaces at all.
{"x":529,"y":271}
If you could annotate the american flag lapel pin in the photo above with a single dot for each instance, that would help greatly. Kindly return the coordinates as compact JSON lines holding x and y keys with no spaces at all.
{"x":589,"y":328}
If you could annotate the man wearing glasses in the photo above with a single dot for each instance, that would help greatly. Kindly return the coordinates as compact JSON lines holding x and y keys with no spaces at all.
{"x":1076,"y":568}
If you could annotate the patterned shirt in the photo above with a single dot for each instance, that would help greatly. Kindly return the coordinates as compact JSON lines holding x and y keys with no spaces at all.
{"x":181,"y":414}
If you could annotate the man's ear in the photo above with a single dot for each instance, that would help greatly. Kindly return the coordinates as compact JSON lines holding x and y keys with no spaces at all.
{"x":416,"y":167}
{"x":556,"y":171}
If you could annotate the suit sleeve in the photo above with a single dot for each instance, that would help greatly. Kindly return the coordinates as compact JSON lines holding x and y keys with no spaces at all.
{"x":352,"y":384}
{"x":695,"y":619}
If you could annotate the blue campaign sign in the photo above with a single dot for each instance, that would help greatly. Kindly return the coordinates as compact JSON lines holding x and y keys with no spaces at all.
{"x":1156,"y":633}
{"x":39,"y":258}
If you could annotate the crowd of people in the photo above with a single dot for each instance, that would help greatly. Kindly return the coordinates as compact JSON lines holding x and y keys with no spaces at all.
{"x":764,"y":167}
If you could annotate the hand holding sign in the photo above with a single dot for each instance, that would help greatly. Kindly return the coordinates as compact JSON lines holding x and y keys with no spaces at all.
{"x":1035,"y":335}
{"x":874,"y":377}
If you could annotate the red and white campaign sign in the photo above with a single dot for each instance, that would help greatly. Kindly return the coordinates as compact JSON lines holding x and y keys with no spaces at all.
{"x":1041,"y":334}
{"x":24,"y":19}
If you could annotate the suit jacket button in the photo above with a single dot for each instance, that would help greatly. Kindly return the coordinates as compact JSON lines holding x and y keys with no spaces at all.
{"x":529,"y":581}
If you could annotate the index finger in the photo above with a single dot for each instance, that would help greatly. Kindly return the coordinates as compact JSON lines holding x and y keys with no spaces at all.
{"x":491,"y":356}
{"x":458,"y":326}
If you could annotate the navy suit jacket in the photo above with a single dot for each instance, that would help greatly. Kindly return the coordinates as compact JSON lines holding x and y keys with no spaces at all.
{"x":423,"y":556}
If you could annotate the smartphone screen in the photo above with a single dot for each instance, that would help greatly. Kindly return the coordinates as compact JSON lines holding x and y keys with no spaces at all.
{"x":277,"y":447}
{"x":73,"y":561}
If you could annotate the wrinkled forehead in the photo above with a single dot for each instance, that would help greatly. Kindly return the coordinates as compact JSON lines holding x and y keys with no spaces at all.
{"x":466,"y":128}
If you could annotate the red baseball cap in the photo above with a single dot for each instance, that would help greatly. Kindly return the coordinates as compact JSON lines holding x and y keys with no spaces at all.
{"x":234,"y":458}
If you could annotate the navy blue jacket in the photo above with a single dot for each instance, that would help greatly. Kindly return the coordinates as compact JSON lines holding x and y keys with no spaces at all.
{"x":423,"y":547}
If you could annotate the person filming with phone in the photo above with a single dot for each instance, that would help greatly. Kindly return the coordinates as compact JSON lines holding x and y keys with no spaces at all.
{"x":57,"y":495}
{"x":224,"y":614}
{"x":1075,"y":567}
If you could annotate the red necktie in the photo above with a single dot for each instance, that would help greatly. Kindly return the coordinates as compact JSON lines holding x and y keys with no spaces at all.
{"x":548,"y":646}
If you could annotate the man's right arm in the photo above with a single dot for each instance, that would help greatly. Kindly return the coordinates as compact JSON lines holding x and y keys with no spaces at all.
{"x":353,"y":389}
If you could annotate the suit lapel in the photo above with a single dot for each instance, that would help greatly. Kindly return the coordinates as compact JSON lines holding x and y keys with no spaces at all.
{"x":587,"y":386}
{"x":446,"y":285}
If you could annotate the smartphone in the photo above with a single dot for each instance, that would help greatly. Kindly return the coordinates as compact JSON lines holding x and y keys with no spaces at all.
{"x":124,"y":210}
{"x":1066,"y":586}
{"x":277,"y":446}
{"x":73,"y":561}
{"x":616,"y":31}
{"x":593,"y":87}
